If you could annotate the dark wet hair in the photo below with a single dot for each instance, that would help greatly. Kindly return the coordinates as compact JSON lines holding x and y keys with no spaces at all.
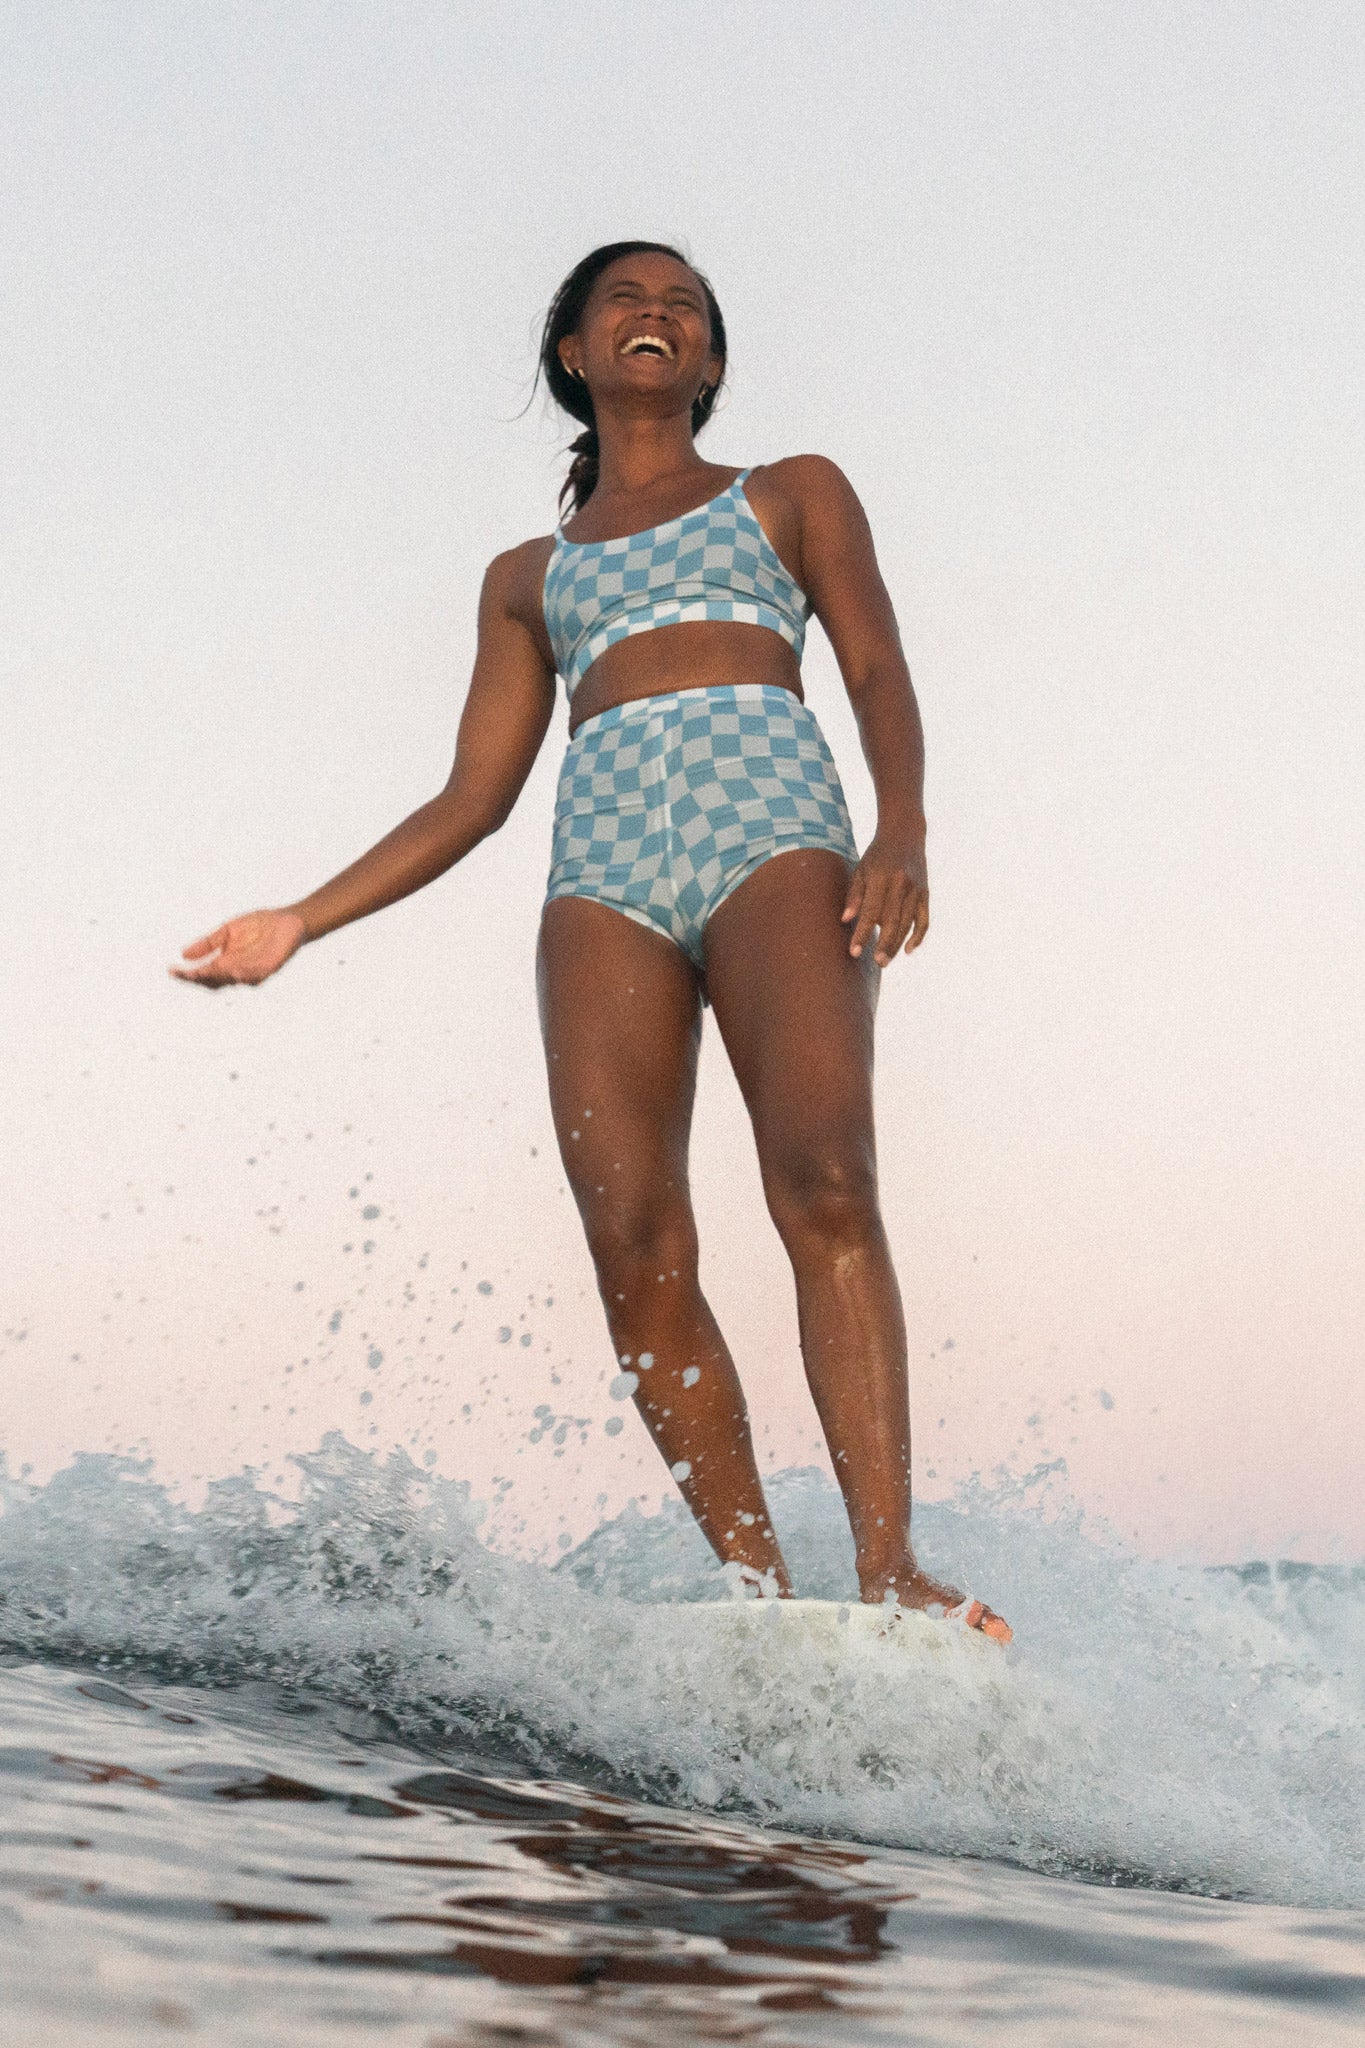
{"x":566,"y":310}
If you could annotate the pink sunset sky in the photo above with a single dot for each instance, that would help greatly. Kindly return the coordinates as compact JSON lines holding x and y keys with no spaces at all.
{"x":1073,"y":296}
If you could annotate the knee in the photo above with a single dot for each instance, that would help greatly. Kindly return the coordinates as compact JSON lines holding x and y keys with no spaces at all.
{"x":824,"y":1198}
{"x":638,"y":1230}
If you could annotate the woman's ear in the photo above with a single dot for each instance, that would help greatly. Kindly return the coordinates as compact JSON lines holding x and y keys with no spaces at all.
{"x":568,"y":355}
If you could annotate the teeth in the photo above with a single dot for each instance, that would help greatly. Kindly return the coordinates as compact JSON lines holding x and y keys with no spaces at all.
{"x":647,"y":341}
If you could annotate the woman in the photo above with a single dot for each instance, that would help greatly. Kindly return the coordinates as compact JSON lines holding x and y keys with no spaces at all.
{"x":702,"y":852}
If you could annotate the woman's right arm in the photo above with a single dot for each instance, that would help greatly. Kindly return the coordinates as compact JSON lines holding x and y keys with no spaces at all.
{"x":511,"y":697}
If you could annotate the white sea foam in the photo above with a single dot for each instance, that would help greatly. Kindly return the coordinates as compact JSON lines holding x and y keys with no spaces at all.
{"x":1191,"y":1728}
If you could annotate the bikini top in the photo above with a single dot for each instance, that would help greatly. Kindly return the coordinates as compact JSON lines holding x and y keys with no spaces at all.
{"x":713,"y":563}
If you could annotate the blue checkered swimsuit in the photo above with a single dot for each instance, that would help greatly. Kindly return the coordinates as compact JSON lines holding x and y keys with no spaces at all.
{"x":667,"y":803}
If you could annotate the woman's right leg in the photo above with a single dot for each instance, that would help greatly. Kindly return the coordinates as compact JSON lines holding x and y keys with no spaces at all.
{"x":620,"y":1013}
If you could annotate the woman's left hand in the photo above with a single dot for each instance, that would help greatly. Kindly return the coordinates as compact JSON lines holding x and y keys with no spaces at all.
{"x":889,"y":894}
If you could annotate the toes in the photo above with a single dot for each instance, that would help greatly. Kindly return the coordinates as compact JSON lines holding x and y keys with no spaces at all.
{"x":985,"y":1619}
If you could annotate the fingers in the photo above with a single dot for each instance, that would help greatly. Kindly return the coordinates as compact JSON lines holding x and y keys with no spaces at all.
{"x":236,"y":971}
{"x":862,"y":909}
{"x":202,"y":977}
{"x":914,"y":923}
{"x":245,"y":950}
{"x":894,"y":921}
{"x":890,"y":904}
{"x":212,"y":943}
{"x":895,"y":930}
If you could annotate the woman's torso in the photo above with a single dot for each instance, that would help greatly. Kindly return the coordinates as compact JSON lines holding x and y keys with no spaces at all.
{"x":686,"y":654}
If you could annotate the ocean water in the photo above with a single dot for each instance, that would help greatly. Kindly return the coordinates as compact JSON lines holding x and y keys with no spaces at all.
{"x":331,"y":1769}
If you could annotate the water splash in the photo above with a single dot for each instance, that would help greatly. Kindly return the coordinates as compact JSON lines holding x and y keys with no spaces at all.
{"x":1174,"y":1726}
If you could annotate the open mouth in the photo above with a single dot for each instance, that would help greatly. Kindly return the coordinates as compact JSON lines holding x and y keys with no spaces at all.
{"x":648,"y":345}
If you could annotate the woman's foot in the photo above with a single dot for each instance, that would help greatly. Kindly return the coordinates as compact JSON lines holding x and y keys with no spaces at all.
{"x":908,"y":1586}
{"x":748,"y":1583}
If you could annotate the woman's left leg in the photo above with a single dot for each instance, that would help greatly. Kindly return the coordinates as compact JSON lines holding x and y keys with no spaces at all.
{"x":796,"y":1015}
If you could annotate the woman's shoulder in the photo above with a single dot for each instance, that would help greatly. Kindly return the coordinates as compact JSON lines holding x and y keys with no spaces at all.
{"x":804,"y":477}
{"x":515,"y":579}
{"x":803,"y":502}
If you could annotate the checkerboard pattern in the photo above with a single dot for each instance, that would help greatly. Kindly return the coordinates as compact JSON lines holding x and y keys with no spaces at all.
{"x":714,"y":563}
{"x":665,"y":804}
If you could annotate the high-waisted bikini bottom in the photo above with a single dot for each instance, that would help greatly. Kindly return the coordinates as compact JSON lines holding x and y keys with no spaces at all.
{"x":665,"y":804}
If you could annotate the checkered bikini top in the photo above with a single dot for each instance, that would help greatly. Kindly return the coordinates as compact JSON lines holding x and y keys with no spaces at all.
{"x":714,"y":563}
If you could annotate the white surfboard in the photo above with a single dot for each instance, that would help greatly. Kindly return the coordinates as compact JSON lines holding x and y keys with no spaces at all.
{"x":826,"y":1628}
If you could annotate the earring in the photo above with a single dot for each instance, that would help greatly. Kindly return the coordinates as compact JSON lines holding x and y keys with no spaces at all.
{"x":703,"y":394}
{"x":578,"y":374}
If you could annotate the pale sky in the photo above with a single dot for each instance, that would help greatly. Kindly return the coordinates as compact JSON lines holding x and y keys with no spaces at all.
{"x":1073,"y":293}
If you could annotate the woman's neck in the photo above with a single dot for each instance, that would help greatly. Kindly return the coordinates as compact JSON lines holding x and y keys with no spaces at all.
{"x":635,"y":453}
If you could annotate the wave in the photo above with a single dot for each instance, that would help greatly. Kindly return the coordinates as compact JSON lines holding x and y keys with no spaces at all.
{"x":1181,"y":1728}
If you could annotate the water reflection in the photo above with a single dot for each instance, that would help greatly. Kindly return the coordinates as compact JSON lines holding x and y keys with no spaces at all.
{"x":330,"y":1875}
{"x":605,"y":1893}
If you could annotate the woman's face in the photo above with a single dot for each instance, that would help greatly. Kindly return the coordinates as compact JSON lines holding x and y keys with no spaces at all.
{"x":645,"y":335}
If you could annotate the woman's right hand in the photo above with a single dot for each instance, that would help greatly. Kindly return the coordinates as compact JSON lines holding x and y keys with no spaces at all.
{"x":246,"y":949}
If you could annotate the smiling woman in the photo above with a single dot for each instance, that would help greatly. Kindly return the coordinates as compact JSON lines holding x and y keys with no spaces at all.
{"x":688,"y":294}
{"x":702,"y":852}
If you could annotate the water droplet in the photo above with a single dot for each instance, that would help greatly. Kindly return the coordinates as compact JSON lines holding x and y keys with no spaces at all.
{"x":682,"y":1470}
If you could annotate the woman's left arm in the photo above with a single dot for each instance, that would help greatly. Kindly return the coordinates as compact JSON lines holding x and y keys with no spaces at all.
{"x":889,"y":890}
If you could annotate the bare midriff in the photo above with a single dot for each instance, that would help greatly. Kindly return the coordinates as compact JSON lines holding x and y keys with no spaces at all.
{"x":695,"y":655}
